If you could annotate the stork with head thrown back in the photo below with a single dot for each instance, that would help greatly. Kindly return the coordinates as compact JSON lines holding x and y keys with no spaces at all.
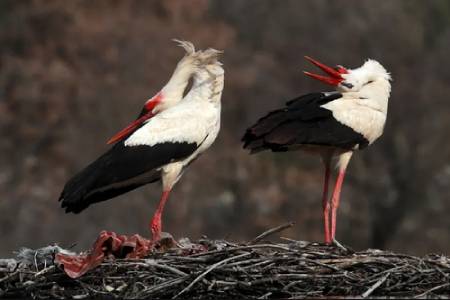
{"x":167,"y":136}
{"x":331,"y":124}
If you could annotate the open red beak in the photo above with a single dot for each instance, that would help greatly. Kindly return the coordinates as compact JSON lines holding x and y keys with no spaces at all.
{"x":147,"y":113}
{"x":335,"y":74}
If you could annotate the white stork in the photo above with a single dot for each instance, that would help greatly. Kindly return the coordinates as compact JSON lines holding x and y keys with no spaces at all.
{"x":331,"y":124}
{"x":157,"y":146}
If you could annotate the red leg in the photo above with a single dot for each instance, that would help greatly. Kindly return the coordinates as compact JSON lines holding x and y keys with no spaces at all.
{"x":343,"y":162}
{"x":155,"y":224}
{"x":325,"y":203}
{"x":335,"y":202}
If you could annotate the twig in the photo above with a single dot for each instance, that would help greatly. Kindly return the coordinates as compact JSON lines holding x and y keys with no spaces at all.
{"x":45,"y":270}
{"x":209,"y":270}
{"x":270,"y":231}
{"x":146,"y":293}
{"x":214,"y":252}
{"x":152,"y":262}
{"x":342,"y":247}
{"x":432,"y":290}
{"x":9,"y":276}
{"x":375,"y":286}
{"x":265,"y":296}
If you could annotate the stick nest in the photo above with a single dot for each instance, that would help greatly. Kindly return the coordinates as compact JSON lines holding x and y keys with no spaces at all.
{"x":255,"y":270}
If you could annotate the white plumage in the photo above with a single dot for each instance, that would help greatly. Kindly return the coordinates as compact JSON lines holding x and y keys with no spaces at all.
{"x":170,"y":132}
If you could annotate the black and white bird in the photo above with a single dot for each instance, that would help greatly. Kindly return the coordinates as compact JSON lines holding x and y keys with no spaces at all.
{"x":331,"y":124}
{"x":161,"y":143}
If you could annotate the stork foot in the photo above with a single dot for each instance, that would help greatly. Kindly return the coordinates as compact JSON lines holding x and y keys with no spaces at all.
{"x":108,"y":244}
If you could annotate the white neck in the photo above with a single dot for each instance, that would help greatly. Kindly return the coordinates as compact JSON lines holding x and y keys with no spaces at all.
{"x":208,"y":84}
{"x":173,"y":91}
{"x":374,"y":95}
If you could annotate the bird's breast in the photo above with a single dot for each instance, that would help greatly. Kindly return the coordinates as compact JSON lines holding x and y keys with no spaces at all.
{"x":363,"y":119}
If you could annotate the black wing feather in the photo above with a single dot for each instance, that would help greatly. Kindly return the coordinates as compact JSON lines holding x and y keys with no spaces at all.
{"x":302,"y":122}
{"x":119,"y":170}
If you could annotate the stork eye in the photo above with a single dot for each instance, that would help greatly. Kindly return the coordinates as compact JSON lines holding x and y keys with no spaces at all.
{"x":347,"y":85}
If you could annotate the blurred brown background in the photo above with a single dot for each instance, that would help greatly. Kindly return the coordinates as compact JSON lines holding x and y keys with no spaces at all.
{"x":72,"y":73}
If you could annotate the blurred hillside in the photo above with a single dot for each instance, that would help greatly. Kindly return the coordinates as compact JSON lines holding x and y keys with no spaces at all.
{"x":72,"y":73}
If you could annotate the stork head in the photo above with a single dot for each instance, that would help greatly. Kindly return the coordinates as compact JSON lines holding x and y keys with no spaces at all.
{"x":209,"y":65}
{"x":208,"y":80}
{"x":370,"y":77}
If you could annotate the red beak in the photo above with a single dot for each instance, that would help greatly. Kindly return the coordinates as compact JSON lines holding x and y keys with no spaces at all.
{"x":335,"y":74}
{"x":130,"y":128}
{"x":147,"y":113}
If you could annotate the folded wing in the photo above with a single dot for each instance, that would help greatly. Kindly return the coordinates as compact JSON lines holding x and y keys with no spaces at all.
{"x":303,"y":121}
{"x":121,"y":169}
